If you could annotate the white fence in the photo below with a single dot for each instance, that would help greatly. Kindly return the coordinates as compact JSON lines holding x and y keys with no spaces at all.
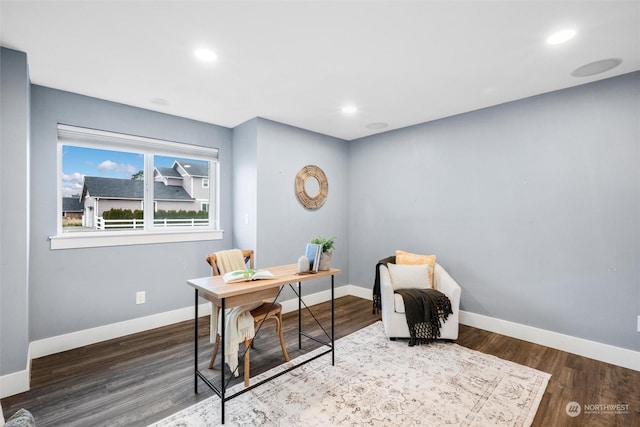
{"x":132,"y":224}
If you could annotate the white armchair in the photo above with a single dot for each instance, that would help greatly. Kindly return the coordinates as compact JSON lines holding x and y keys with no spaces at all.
{"x":393,"y":317}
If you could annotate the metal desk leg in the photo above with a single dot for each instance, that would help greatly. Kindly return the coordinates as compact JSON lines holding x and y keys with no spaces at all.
{"x":333,"y":344}
{"x":299,"y":315}
{"x":195,"y":351}
{"x":222,"y":344}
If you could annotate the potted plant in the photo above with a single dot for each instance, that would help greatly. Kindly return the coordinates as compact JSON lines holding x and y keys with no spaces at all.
{"x":327,"y":247}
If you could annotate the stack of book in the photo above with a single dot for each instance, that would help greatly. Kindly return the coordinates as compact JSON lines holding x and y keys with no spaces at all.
{"x":313,"y":252}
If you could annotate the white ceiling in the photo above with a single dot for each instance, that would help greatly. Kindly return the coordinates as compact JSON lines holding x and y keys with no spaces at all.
{"x":299,"y":62}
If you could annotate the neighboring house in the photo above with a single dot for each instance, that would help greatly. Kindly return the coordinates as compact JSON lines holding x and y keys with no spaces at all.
{"x":103,"y":194}
{"x":183,"y":186}
{"x":72,"y":207}
{"x":193,"y":177}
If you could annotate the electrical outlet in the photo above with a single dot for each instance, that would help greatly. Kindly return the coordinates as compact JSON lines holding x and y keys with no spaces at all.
{"x":141,"y":297}
{"x":638,"y":323}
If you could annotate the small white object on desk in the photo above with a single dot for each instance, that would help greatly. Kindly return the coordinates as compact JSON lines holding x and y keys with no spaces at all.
{"x":303,"y":264}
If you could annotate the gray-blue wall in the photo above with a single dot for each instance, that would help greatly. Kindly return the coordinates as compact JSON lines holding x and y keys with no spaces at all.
{"x":269,"y":155}
{"x":245,"y":185}
{"x":284,"y":226}
{"x":532,"y":206}
{"x":14,"y":211}
{"x":77,"y":289}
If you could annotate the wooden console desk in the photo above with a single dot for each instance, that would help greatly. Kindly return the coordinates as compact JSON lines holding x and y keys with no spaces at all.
{"x":231,"y":295}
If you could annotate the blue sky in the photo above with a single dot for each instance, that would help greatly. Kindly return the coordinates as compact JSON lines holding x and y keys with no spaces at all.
{"x":78,"y":162}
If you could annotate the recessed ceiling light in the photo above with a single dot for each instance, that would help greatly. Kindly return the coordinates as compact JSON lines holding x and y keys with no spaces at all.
{"x":377,"y":125}
{"x":160,"y":101}
{"x":561,"y":36}
{"x":349,"y":109}
{"x":596,"y":67}
{"x":206,"y":55}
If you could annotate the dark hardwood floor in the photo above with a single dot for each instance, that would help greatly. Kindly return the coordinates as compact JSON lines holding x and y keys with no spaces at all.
{"x":141,"y":378}
{"x":574,"y":379}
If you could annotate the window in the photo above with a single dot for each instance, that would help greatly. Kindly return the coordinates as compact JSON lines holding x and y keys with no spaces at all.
{"x":108,"y":179}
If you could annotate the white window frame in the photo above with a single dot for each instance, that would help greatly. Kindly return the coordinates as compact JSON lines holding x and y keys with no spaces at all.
{"x":84,"y":137}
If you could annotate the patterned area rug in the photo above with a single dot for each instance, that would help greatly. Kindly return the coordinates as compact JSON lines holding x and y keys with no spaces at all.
{"x":384,"y":383}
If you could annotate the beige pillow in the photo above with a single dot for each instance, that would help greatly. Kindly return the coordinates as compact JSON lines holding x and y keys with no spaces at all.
{"x":409,"y":276}
{"x":408,"y":258}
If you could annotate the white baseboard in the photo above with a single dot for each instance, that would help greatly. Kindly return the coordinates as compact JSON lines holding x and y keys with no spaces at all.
{"x":72,"y":340}
{"x":358,"y":291}
{"x":594,"y":350}
{"x":18,"y":382}
{"x":14,"y":383}
{"x":77,"y":339}
{"x":318,"y":297}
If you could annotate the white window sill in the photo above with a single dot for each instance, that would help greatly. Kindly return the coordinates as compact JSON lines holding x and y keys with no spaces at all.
{"x":102,"y":239}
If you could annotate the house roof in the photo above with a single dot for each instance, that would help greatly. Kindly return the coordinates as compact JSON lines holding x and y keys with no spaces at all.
{"x":168,"y":172}
{"x":193,"y":169}
{"x":71,"y":204}
{"x":169,"y":192}
{"x":116,"y":188}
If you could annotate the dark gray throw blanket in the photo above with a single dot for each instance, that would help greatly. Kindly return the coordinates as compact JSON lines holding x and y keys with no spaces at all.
{"x":425,"y":310}
{"x":377,"y":304}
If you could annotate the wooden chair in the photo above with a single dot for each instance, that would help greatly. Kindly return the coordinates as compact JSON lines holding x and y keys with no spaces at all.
{"x":267,"y":311}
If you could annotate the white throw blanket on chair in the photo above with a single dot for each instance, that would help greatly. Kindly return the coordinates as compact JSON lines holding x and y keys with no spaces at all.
{"x":239,"y":323}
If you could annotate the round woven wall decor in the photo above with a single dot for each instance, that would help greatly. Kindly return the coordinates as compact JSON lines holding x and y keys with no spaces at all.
{"x":307,"y":200}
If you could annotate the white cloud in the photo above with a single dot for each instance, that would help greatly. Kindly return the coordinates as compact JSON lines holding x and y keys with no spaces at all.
{"x":108,"y":165}
{"x":71,"y":189}
{"x":72,"y":184}
{"x":76,"y":176}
